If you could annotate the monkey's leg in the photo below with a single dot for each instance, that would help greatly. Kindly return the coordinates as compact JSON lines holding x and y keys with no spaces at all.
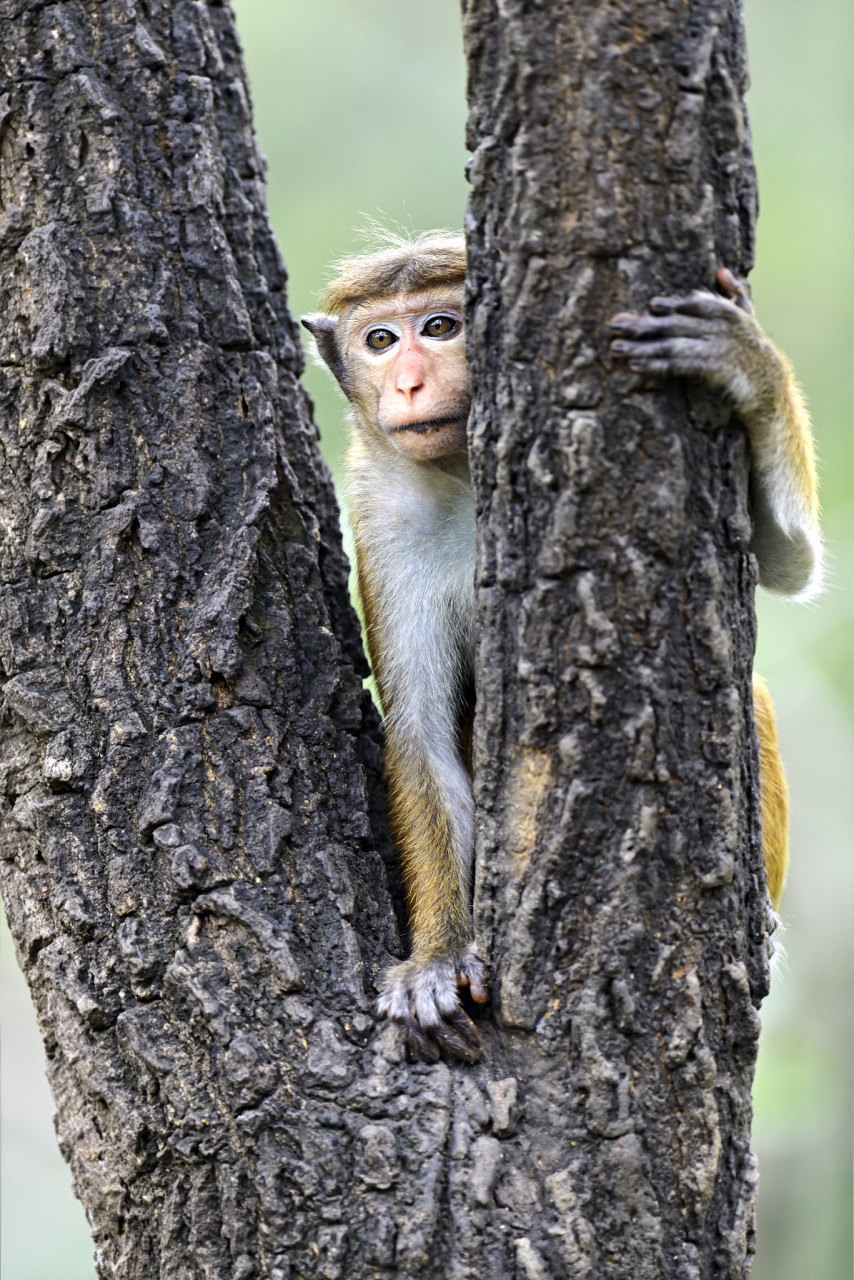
{"x":774,"y":794}
{"x":431,"y":812}
{"x":417,"y":598}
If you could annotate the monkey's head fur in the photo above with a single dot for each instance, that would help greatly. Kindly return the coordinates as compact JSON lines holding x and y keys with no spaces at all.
{"x":390,"y":329}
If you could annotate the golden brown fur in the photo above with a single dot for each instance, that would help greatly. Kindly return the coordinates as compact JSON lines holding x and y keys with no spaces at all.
{"x":401,"y":266}
{"x":773,"y":794}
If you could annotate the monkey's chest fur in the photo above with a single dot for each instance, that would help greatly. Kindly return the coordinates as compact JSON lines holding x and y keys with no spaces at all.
{"x":416,"y":560}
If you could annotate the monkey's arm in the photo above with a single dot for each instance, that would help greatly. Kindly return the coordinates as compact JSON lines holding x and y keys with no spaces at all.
{"x":414,"y":644}
{"x":718,"y":341}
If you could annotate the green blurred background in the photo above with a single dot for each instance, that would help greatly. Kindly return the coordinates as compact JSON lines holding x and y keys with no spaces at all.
{"x":360,"y":109}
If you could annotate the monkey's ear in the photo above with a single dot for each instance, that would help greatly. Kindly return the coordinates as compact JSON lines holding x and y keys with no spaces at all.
{"x":324,"y":329}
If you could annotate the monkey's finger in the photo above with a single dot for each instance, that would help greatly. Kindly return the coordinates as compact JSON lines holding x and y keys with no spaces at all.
{"x":730,"y":285}
{"x":653,"y":368}
{"x":672,"y":325}
{"x":700,"y":303}
{"x":682,"y":355}
{"x":727,"y":283}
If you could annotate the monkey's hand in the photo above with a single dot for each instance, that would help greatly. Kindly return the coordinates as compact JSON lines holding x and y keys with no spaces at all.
{"x":421,"y":996}
{"x":709,"y":336}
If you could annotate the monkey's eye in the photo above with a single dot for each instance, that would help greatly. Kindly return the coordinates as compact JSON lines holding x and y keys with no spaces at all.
{"x":440,"y":327}
{"x":381,"y":339}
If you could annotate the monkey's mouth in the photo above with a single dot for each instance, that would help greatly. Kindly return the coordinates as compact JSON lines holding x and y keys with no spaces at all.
{"x":422,"y":428}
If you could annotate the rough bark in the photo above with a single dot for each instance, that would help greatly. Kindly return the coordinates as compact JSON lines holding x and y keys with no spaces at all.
{"x":185,"y":819}
{"x":620,"y":888}
{"x":193,"y":836}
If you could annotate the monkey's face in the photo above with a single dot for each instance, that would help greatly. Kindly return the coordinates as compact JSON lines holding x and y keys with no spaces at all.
{"x":409,"y":371}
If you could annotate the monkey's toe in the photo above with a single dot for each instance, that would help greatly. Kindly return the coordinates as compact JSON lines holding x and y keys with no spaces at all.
{"x":471,"y":974}
{"x":464,"y":1027}
{"x":457,"y":1046}
{"x":419,"y":1043}
{"x":450,"y":1038}
{"x":458,"y":1037}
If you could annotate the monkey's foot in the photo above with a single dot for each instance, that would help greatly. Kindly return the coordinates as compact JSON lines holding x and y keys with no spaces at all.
{"x":421,"y":996}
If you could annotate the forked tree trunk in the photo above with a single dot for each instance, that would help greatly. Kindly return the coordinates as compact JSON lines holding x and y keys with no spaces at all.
{"x":193,"y":838}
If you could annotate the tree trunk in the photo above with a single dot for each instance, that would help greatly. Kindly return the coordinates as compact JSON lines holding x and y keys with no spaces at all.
{"x":620,"y":887}
{"x":194,"y":851}
{"x":185,"y":738}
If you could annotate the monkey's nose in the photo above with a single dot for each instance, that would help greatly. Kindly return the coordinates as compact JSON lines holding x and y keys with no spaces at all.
{"x":410,"y":390}
{"x":409,"y":371}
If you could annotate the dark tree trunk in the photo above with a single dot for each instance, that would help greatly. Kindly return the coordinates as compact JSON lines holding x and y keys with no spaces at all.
{"x":185,"y":819}
{"x":620,"y":887}
{"x":193,"y":839}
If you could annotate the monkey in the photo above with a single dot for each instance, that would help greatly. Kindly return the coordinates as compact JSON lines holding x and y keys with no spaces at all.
{"x":391,"y":329}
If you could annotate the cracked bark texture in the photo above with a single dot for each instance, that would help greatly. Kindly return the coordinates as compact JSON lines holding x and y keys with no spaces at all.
{"x":193,"y":854}
{"x":620,"y":887}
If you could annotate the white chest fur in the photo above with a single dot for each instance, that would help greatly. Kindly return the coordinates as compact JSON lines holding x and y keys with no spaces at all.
{"x":418,"y":522}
